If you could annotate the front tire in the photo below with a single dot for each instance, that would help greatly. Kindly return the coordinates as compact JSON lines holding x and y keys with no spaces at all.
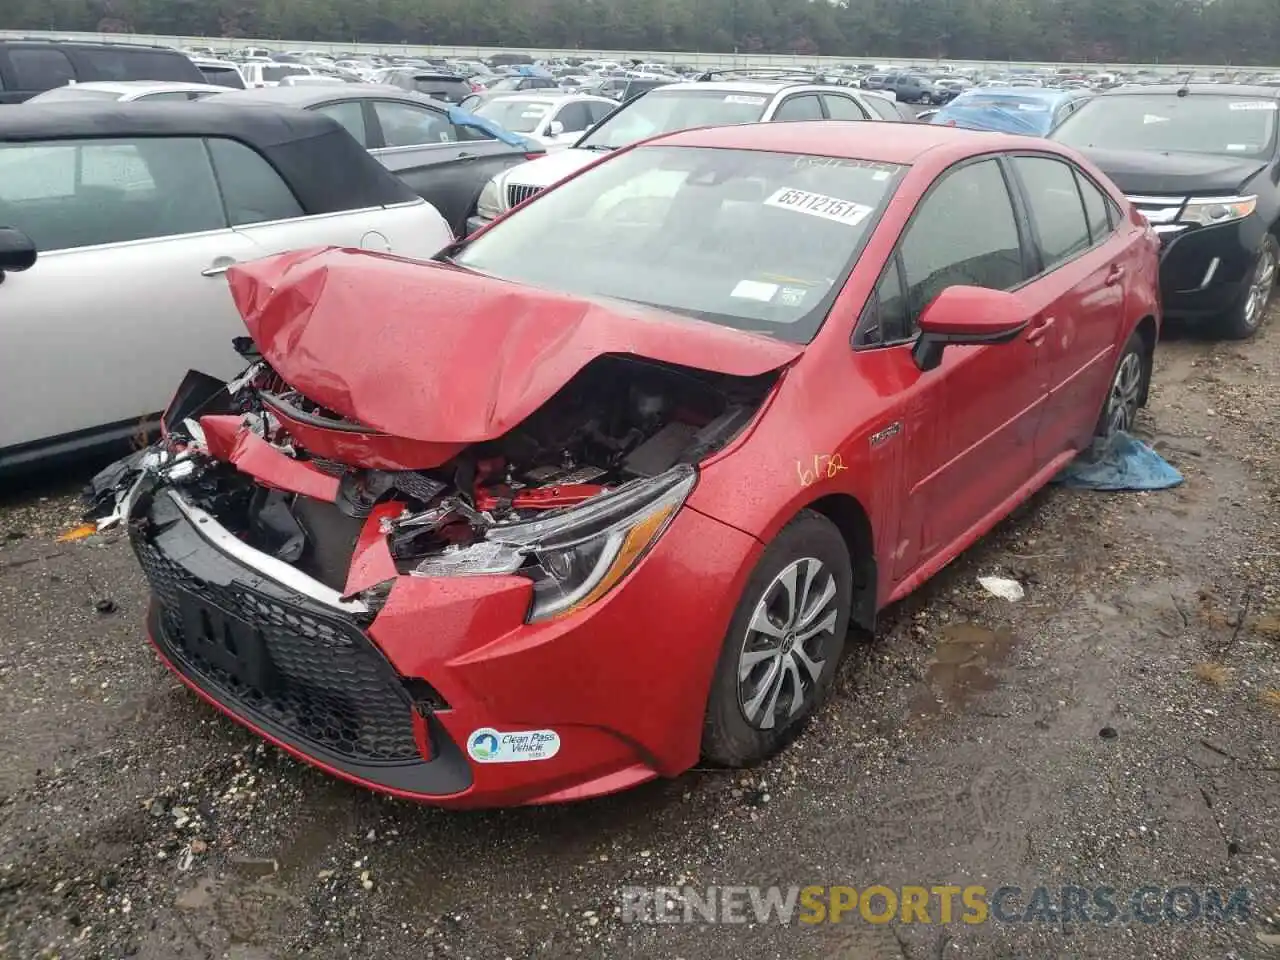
{"x":1245,"y":318}
{"x":779,"y":658}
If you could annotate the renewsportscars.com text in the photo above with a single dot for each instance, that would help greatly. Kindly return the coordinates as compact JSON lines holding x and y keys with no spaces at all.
{"x":934,"y":904}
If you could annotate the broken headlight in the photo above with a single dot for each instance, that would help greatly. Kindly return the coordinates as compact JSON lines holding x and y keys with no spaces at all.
{"x":576,"y":556}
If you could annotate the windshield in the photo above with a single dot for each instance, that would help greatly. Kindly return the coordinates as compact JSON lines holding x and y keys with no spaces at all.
{"x":752,"y":240}
{"x":666,"y":111}
{"x":1197,"y":123}
{"x":506,"y":83}
{"x":518,"y":116}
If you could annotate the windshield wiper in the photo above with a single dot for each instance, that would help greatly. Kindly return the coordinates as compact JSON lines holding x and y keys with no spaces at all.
{"x":598,"y":147}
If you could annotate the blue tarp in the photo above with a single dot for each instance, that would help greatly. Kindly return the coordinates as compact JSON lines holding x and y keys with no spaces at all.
{"x":1122,"y":463}
{"x":1024,"y":110}
{"x":462,"y":117}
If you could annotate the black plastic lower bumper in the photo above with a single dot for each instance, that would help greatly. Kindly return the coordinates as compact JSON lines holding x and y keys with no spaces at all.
{"x":288,"y":666}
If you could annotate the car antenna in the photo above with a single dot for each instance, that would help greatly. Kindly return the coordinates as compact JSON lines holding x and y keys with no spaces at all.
{"x":1185,"y":87}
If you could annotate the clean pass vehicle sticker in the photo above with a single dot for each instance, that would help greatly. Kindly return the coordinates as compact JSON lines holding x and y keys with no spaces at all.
{"x":1256,"y":105}
{"x":487,"y":745}
{"x":817,"y":205}
{"x":749,"y":101}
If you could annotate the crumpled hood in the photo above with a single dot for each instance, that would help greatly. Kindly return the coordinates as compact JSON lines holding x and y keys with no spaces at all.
{"x":434,"y":353}
{"x":1144,"y":172}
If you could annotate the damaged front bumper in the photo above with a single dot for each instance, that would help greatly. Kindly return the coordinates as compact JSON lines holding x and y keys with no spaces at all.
{"x":390,"y":693}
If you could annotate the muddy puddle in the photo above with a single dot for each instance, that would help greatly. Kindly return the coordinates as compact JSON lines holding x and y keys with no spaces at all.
{"x":964,"y":665}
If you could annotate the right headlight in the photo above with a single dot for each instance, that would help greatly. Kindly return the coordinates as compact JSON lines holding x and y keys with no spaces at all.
{"x":489,"y":205}
{"x":579,"y":554}
{"x":1208,"y":211}
{"x":583,"y":553}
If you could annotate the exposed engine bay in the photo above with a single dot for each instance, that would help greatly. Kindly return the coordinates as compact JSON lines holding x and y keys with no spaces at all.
{"x":299,"y":482}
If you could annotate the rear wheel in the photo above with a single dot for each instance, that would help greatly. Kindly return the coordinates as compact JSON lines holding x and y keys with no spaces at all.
{"x":1128,"y":387}
{"x":1246,"y":317}
{"x":780,"y":655}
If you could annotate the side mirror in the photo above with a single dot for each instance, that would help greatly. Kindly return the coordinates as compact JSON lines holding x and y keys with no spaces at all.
{"x":556,"y":128}
{"x":17,"y":251}
{"x":967,"y":315}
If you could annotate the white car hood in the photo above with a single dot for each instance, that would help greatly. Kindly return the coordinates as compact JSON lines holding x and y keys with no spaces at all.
{"x":550,"y":169}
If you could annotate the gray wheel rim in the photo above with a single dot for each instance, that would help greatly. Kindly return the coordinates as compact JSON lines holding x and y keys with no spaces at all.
{"x":1126,"y":388}
{"x":782,"y":655}
{"x":1263,"y":282}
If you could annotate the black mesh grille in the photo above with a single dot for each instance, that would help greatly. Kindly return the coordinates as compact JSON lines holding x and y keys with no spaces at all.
{"x":329,"y":687}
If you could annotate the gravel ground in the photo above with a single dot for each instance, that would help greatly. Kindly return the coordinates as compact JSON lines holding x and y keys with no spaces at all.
{"x":1118,"y":726}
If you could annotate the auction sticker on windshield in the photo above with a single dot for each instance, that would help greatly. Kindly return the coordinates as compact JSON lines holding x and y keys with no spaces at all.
{"x":818,"y":205}
{"x":749,"y":101}
{"x":487,"y":745}
{"x":1255,"y":105}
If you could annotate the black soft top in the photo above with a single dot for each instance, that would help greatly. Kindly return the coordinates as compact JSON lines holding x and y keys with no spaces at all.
{"x":327,"y":169}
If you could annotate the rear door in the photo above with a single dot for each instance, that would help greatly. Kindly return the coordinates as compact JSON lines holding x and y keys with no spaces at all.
{"x":1077,"y":295}
{"x":970,"y":424}
{"x":125,"y":296}
{"x":445,"y":164}
{"x":799,"y":106}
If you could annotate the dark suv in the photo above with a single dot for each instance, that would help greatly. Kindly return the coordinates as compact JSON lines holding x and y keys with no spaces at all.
{"x":31,"y":66}
{"x":1202,"y":163}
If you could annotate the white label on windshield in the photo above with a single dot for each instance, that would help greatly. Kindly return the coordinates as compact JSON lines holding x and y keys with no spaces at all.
{"x":1033,"y":107}
{"x":792,"y":296}
{"x":1237,"y":147}
{"x":1152,"y":118}
{"x":817,"y":205}
{"x":747,"y":101}
{"x":533,"y":114}
{"x":881,"y":175}
{"x":1255,"y":105}
{"x":753,"y":290}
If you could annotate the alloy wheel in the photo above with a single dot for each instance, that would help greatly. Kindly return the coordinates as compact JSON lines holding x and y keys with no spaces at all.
{"x":783,"y":653}
{"x":1126,"y":390}
{"x":1261,"y":286}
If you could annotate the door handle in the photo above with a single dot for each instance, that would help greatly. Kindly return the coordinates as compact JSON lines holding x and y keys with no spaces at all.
{"x":1039,"y":329}
{"x":219,"y":266}
{"x":1115,"y":275}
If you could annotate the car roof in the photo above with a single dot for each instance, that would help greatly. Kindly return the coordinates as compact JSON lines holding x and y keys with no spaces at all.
{"x":1198,"y":89}
{"x":292,"y":140}
{"x":1042,"y":94}
{"x":901,"y":143}
{"x":304,"y":97}
{"x":736,"y":86}
{"x":124,"y":87}
{"x":546,"y":96}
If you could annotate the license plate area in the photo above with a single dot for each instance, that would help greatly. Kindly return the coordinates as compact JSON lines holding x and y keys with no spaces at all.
{"x":229,"y":644}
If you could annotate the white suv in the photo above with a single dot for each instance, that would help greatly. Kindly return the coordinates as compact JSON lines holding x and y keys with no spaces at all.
{"x":681,"y":106}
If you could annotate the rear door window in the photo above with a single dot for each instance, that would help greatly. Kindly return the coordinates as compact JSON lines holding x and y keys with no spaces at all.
{"x":1057,"y":211}
{"x":40,"y":68}
{"x":804,"y":107}
{"x":1096,"y":209}
{"x":884,"y":107}
{"x":81,"y":193}
{"x":408,"y":125}
{"x":575,"y":117}
{"x":251,"y":188}
{"x":349,"y":113}
{"x":843,"y":108}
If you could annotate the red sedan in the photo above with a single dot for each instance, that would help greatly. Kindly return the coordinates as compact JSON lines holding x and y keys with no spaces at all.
{"x":601,"y":491}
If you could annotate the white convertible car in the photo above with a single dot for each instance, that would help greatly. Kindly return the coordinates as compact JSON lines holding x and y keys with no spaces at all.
{"x":119,"y":223}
